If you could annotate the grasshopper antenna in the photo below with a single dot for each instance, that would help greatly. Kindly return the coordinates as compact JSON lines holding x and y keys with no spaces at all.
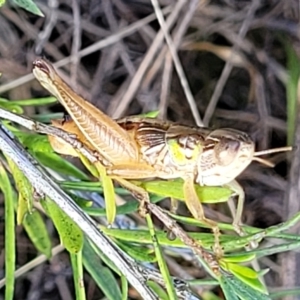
{"x":269,"y":151}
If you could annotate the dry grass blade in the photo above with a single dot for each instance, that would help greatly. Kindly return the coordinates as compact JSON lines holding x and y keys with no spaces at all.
{"x":177,"y":63}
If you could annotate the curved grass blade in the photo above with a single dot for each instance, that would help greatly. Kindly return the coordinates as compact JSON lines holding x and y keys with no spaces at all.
{"x":10,"y":244}
{"x":161,"y":260}
{"x":77,"y":266}
{"x":37,"y":232}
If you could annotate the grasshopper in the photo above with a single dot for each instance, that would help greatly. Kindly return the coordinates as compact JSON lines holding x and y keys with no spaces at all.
{"x":145,"y":148}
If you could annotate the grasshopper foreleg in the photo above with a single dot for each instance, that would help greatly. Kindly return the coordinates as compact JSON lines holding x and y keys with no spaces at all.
{"x":237,"y":212}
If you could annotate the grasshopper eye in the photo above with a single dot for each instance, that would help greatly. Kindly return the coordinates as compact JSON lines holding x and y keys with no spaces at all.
{"x":226,"y":151}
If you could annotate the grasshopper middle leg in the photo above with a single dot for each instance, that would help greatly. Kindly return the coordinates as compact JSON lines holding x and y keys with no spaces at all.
{"x":195,"y":207}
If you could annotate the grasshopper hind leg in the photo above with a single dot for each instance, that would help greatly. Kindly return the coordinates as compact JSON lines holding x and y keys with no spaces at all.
{"x":195,"y":207}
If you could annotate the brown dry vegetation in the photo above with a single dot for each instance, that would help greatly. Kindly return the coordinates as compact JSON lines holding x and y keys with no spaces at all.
{"x":233,"y":54}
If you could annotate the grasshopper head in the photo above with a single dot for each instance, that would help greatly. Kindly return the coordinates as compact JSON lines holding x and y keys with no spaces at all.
{"x":226,"y":153}
{"x":47,"y":76}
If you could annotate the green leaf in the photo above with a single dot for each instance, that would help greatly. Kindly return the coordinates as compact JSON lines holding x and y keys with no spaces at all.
{"x":234,"y":288}
{"x":90,"y":167}
{"x":59,"y":165}
{"x":25,"y":190}
{"x":174,"y":189}
{"x":239,"y":258}
{"x":77,"y":266}
{"x":22,"y":209}
{"x":239,"y":269}
{"x":37,"y":232}
{"x":102,"y":275}
{"x":161,"y":260}
{"x":47,"y":117}
{"x":11,"y":106}
{"x":30,"y":6}
{"x":228,"y":289}
{"x":82,"y":202}
{"x":247,"y":275}
{"x":140,"y":253}
{"x":34,"y":102}
{"x":2,"y":3}
{"x":152,"y":114}
{"x":69,"y":232}
{"x":34,"y":142}
{"x":293,"y":65}
{"x":39,"y":146}
{"x":159,"y":291}
{"x":10,"y":245}
{"x":109,"y":193}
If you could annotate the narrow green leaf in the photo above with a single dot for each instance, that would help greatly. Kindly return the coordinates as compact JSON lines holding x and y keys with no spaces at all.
{"x":9,"y":105}
{"x":22,"y":209}
{"x":59,"y":165}
{"x":124,"y":209}
{"x":47,"y":117}
{"x":37,"y":232}
{"x":248,"y":276}
{"x":82,"y":202}
{"x":106,"y":261}
{"x":90,"y":167}
{"x":139,"y":253}
{"x":70,"y":234}
{"x":10,"y":245}
{"x":161,"y":261}
{"x":109,"y":194}
{"x":25,"y":190}
{"x":30,"y":6}
{"x":228,"y":289}
{"x":92,"y":186}
{"x":34,"y":142}
{"x":239,"y":258}
{"x":293,"y":65}
{"x":77,"y":266}
{"x":39,"y":146}
{"x":237,"y":287}
{"x":152,"y":114}
{"x":174,"y":189}
{"x":124,"y":283}
{"x":101,"y":274}
{"x":35,"y":102}
{"x":239,"y":269}
{"x":159,"y":291}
